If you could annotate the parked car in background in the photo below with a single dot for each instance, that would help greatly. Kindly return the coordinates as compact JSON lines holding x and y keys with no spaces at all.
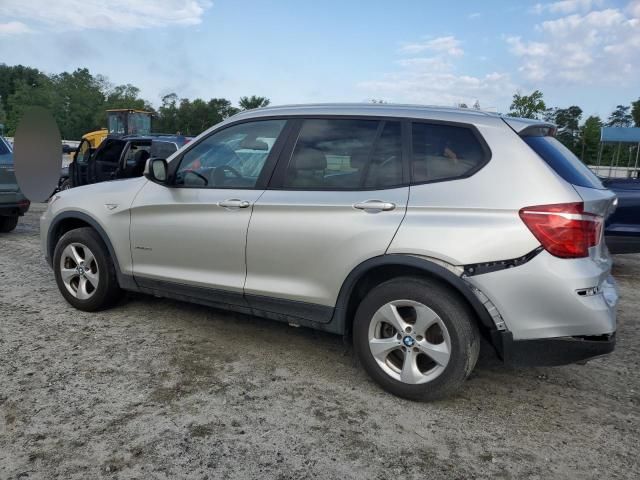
{"x":412,"y":230}
{"x":13,"y":203}
{"x":622,"y":229}
{"x":117,"y":157}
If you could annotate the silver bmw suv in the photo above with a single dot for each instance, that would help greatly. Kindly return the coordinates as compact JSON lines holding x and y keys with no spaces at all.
{"x":414,"y":231}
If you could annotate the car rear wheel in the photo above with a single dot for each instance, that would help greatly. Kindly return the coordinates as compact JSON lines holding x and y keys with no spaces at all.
{"x":84,"y":272}
{"x":416,"y":338}
{"x":7,"y":224}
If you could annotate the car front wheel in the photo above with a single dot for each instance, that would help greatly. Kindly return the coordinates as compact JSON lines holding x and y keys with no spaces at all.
{"x":416,"y":338}
{"x":84,"y":271}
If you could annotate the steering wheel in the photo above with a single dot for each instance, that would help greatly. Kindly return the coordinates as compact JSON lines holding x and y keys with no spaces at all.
{"x":219,"y":174}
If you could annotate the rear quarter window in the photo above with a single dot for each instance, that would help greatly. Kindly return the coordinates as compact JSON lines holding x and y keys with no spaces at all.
{"x":445,"y":152}
{"x":563,"y":161}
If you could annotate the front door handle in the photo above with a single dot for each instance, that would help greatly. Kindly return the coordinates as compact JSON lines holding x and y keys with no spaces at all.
{"x":376,"y":205}
{"x":234,"y":203}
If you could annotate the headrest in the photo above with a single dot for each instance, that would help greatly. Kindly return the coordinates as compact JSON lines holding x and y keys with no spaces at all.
{"x":141,"y":155}
{"x":309,"y":159}
{"x":253,"y":144}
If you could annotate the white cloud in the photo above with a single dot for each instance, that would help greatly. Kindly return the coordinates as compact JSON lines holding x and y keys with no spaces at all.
{"x":474,"y":15}
{"x":434,"y":79}
{"x":566,"y":6}
{"x":441,"y":45}
{"x":599,"y":47}
{"x":13,"y":28}
{"x":65,"y":15}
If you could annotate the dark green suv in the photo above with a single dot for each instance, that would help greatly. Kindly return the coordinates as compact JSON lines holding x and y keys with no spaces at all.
{"x":13,"y":203}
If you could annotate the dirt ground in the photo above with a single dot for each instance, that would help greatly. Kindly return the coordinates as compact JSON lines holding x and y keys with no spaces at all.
{"x":162,"y":389}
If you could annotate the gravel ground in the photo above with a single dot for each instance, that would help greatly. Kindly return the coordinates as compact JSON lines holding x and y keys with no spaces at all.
{"x":162,"y":389}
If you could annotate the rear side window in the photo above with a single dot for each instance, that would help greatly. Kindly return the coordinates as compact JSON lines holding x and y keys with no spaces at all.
{"x":442,"y":152}
{"x":563,"y":161}
{"x":5,"y":154}
{"x":342,"y":154}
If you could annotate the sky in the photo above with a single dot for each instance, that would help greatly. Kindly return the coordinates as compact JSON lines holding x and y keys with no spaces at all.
{"x":577,"y":52}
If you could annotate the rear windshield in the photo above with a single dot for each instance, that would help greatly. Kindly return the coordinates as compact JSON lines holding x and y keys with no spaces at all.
{"x":563,"y":161}
{"x":5,"y":154}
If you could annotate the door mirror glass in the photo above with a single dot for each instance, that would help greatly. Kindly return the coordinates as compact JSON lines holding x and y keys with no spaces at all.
{"x":156,"y":170}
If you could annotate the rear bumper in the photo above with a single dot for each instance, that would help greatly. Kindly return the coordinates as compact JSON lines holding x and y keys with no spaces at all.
{"x":14,"y":209}
{"x":550,"y":298}
{"x":552,"y":351}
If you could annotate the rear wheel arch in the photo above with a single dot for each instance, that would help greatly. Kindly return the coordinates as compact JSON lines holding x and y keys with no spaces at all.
{"x":380,"y":269}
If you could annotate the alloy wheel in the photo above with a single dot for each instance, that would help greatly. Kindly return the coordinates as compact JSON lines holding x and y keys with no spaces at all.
{"x":409,"y":341}
{"x":79,"y":271}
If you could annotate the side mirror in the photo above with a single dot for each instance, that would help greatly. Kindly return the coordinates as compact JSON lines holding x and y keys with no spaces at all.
{"x":156,"y":170}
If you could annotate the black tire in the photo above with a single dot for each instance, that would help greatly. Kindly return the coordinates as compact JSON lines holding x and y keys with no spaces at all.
{"x":454,"y":313}
{"x":108,"y":291}
{"x":7,"y":224}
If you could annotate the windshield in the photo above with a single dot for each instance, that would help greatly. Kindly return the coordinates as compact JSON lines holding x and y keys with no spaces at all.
{"x":139,"y":124}
{"x":116,"y":122}
{"x":564,"y":162}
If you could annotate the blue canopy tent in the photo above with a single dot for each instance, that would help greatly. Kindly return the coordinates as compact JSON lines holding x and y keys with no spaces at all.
{"x":629,"y":137}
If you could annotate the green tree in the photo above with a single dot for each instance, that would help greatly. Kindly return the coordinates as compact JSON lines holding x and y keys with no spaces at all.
{"x":24,"y":96}
{"x":620,"y":117}
{"x":527,"y":106}
{"x":3,"y":114}
{"x":590,"y":134}
{"x":635,"y":112}
{"x":568,"y":122}
{"x":75,"y":100}
{"x":248,"y":103}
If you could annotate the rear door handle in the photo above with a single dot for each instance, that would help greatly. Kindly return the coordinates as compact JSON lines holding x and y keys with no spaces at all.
{"x":376,"y":205}
{"x":234,"y":203}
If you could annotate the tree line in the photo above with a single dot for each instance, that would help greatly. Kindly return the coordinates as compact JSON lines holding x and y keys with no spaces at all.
{"x":582,"y":138}
{"x":78,"y":101}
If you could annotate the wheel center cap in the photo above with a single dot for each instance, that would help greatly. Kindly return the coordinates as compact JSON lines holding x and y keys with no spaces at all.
{"x":80,"y":269}
{"x":408,"y":341}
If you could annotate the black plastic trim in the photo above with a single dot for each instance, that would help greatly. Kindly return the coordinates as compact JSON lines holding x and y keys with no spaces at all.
{"x":304,"y":313}
{"x":547,"y":352}
{"x":488,"y":267}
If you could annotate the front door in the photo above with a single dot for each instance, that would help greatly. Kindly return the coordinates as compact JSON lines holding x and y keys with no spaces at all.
{"x":337,"y":199}
{"x":78,"y":169}
{"x":193,"y":232}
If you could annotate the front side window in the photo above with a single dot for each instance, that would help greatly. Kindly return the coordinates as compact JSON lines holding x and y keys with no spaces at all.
{"x":230,"y":158}
{"x":337,"y":154}
{"x":444,"y":151}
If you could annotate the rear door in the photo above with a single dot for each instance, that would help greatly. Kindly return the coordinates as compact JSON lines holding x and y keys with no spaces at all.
{"x":337,"y":198}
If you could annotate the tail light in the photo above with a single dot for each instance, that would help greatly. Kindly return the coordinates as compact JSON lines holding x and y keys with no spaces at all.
{"x":564,"y":229}
{"x":23,"y":203}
